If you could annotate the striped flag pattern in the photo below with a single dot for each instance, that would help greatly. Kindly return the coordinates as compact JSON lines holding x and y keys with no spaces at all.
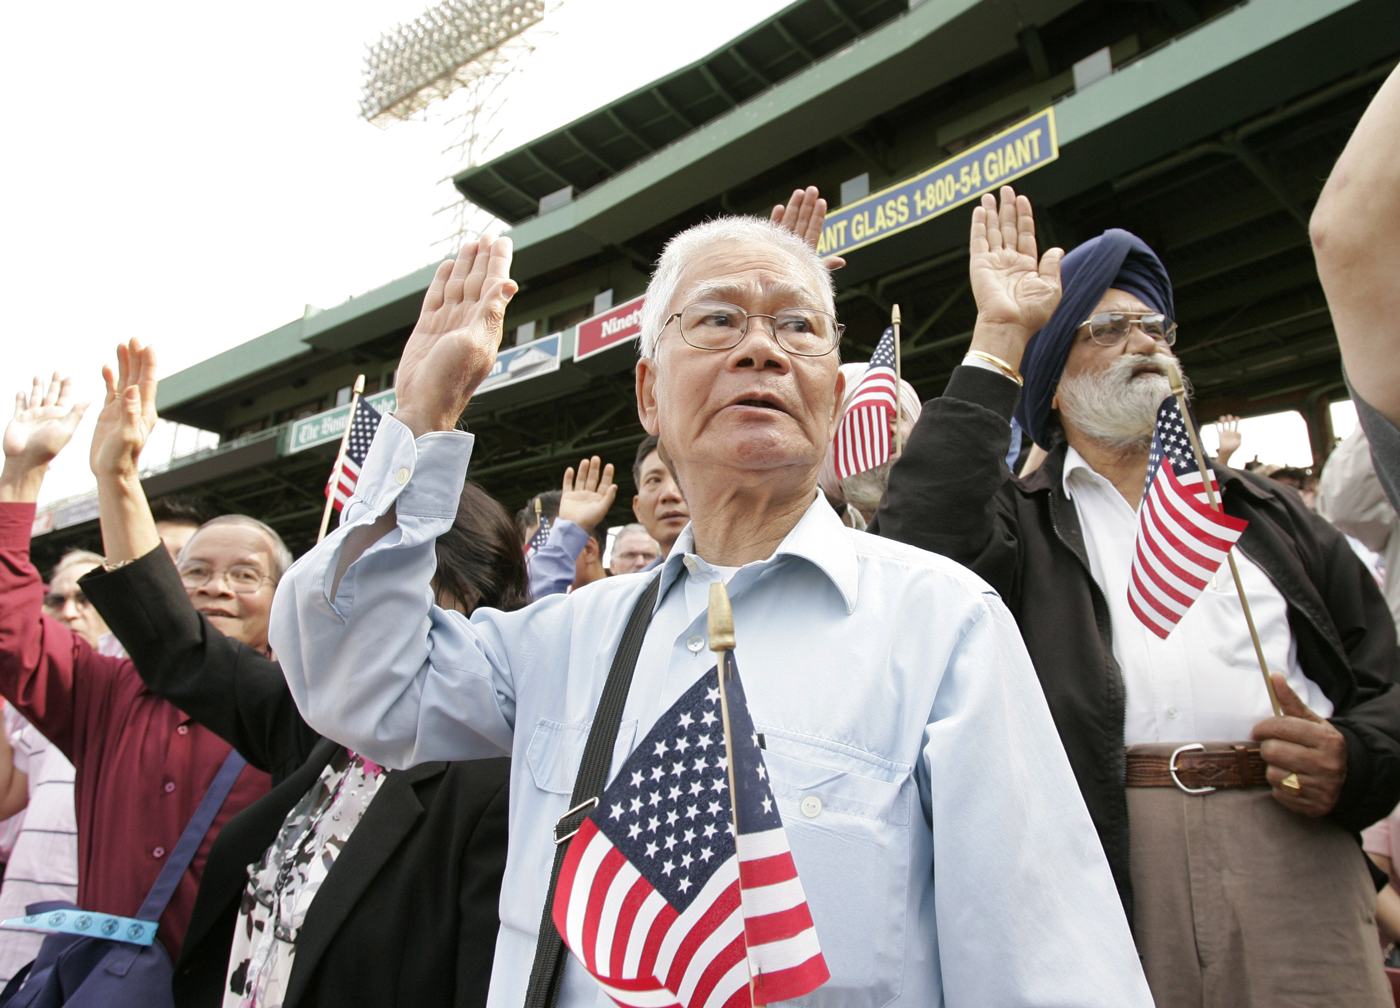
{"x":347,"y":474}
{"x":660,"y":900}
{"x":1181,"y":539}
{"x":863,"y":438}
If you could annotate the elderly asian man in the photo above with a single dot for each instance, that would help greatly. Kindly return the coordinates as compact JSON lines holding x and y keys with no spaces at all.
{"x":944,"y":849}
{"x":1231,"y":832}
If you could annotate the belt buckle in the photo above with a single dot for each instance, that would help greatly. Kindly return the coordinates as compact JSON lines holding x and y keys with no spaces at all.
{"x":589,"y":803}
{"x":1171,"y":769}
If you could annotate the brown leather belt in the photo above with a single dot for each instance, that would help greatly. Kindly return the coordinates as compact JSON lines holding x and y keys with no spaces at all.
{"x":1197,"y":771}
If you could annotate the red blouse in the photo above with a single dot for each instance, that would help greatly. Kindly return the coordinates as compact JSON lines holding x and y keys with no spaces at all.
{"x":142,"y":764}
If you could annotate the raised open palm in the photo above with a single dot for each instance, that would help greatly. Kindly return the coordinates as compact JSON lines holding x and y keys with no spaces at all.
{"x":43,"y":423}
{"x":1011,"y":287}
{"x":453,"y":346}
{"x":587,"y":497}
{"x":129,"y":412}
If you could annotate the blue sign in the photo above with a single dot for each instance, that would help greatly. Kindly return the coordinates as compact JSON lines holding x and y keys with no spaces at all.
{"x":981,"y":168}
{"x":518,"y":363}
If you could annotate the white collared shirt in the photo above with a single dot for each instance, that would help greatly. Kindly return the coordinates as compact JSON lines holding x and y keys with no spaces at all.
{"x":1203,"y":682}
{"x":942,"y":842}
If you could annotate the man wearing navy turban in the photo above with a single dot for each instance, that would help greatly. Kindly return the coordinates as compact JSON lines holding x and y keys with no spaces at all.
{"x":1231,"y":832}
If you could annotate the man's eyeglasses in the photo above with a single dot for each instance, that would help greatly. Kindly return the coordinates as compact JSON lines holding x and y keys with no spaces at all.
{"x":1111,"y":328}
{"x":714,"y":325}
{"x":54,"y":600}
{"x":241,"y":579}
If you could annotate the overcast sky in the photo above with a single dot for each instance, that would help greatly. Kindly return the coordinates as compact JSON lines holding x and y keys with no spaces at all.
{"x":195,"y":175}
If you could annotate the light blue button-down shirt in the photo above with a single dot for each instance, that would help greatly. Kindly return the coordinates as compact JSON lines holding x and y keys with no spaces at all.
{"x":944,"y":848}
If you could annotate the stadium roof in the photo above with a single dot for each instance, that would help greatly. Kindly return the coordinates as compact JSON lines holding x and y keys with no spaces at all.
{"x":611,"y":139}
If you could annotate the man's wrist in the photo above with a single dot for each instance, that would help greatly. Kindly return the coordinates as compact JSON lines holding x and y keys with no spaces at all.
{"x":20,"y":482}
{"x":421,"y":424}
{"x":1002,"y":340}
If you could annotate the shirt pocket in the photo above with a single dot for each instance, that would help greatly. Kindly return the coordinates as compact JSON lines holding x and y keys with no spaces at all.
{"x":847,"y":815}
{"x":556,"y":752}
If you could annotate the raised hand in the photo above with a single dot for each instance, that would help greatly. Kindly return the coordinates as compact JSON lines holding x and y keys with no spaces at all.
{"x":804,"y":216}
{"x":453,"y":346}
{"x":1015,"y":292}
{"x":589,"y":496}
{"x":43,"y":424}
{"x":1228,"y":430}
{"x":128,"y":413}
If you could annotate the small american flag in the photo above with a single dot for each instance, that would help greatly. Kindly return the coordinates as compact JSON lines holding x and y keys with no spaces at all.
{"x":347,"y":474}
{"x":656,"y":898}
{"x":1181,"y":540}
{"x":538,"y":540}
{"x":863,"y":439}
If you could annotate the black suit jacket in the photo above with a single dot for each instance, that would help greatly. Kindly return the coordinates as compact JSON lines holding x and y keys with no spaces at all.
{"x":408,"y":913}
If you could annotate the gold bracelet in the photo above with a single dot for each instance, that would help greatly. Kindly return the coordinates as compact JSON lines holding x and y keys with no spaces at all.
{"x":1000,"y":365}
{"x":114,"y":565}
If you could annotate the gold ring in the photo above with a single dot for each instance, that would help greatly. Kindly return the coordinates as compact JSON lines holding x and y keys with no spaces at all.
{"x":1292,"y":783}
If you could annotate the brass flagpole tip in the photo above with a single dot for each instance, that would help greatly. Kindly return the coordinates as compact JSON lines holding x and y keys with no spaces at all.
{"x":894,"y":315}
{"x":721,"y":619}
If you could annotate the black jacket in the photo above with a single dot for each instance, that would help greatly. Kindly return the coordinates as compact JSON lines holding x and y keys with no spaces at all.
{"x":951,"y":493}
{"x":407,"y":915}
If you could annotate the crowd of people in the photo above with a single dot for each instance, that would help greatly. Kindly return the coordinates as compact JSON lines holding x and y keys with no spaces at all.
{"x":232,"y":779}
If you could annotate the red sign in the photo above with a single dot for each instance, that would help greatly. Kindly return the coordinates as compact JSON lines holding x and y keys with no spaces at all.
{"x":614,"y":326}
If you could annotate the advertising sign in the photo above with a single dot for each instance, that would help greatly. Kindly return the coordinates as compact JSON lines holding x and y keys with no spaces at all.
{"x":967,"y":175}
{"x":614,"y":326}
{"x":519,"y":363}
{"x":311,"y":431}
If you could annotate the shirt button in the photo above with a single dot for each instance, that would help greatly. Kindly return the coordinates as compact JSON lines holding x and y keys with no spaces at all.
{"x":401,"y":476}
{"x":169,"y":786}
{"x":695,"y":643}
{"x":1171,"y":713}
{"x":811,"y":806}
{"x":182,"y":730}
{"x":689,"y":564}
{"x":158,"y":852}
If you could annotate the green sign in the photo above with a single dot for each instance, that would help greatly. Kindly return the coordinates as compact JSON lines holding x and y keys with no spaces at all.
{"x":966,"y":176}
{"x":311,"y":431}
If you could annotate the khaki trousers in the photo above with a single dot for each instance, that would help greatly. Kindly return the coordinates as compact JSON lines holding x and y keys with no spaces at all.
{"x":1240,"y":903}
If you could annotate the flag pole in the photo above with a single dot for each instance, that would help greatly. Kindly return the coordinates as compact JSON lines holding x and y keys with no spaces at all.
{"x":1179,"y":390}
{"x":898,"y":387}
{"x":721,"y":628}
{"x":340,"y":457}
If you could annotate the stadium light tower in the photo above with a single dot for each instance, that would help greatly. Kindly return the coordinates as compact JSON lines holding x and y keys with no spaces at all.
{"x":450,"y":46}
{"x":457,"y":56}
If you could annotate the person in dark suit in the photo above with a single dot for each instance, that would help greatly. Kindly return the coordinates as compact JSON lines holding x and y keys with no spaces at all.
{"x":347,"y":884}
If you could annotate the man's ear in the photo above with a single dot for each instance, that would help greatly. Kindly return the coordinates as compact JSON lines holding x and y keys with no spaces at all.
{"x":646,"y":394}
{"x":836,"y":406}
{"x":636,"y":507}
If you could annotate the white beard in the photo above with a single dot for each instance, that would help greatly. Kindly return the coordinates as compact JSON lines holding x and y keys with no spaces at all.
{"x":1114,"y":408}
{"x":863,"y":490}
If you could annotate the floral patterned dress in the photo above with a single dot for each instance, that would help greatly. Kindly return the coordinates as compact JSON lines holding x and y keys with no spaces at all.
{"x":282,"y":885}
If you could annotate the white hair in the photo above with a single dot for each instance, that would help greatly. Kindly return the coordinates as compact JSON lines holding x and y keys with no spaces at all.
{"x":281,"y":556}
{"x":73,"y":558}
{"x":808,"y":268}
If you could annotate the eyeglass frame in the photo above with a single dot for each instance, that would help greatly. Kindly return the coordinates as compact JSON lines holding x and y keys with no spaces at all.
{"x":78,"y":598}
{"x":836,"y":342}
{"x":223,"y":572}
{"x":1169,"y":339}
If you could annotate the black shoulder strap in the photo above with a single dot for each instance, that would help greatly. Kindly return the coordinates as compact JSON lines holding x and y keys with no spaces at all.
{"x":548,"y":971}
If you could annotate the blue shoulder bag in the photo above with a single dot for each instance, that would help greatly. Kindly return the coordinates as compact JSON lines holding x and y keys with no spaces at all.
{"x":98,"y":960}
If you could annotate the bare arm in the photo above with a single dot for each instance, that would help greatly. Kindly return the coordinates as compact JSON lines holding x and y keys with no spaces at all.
{"x":127,"y":418}
{"x":1356,"y":238}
